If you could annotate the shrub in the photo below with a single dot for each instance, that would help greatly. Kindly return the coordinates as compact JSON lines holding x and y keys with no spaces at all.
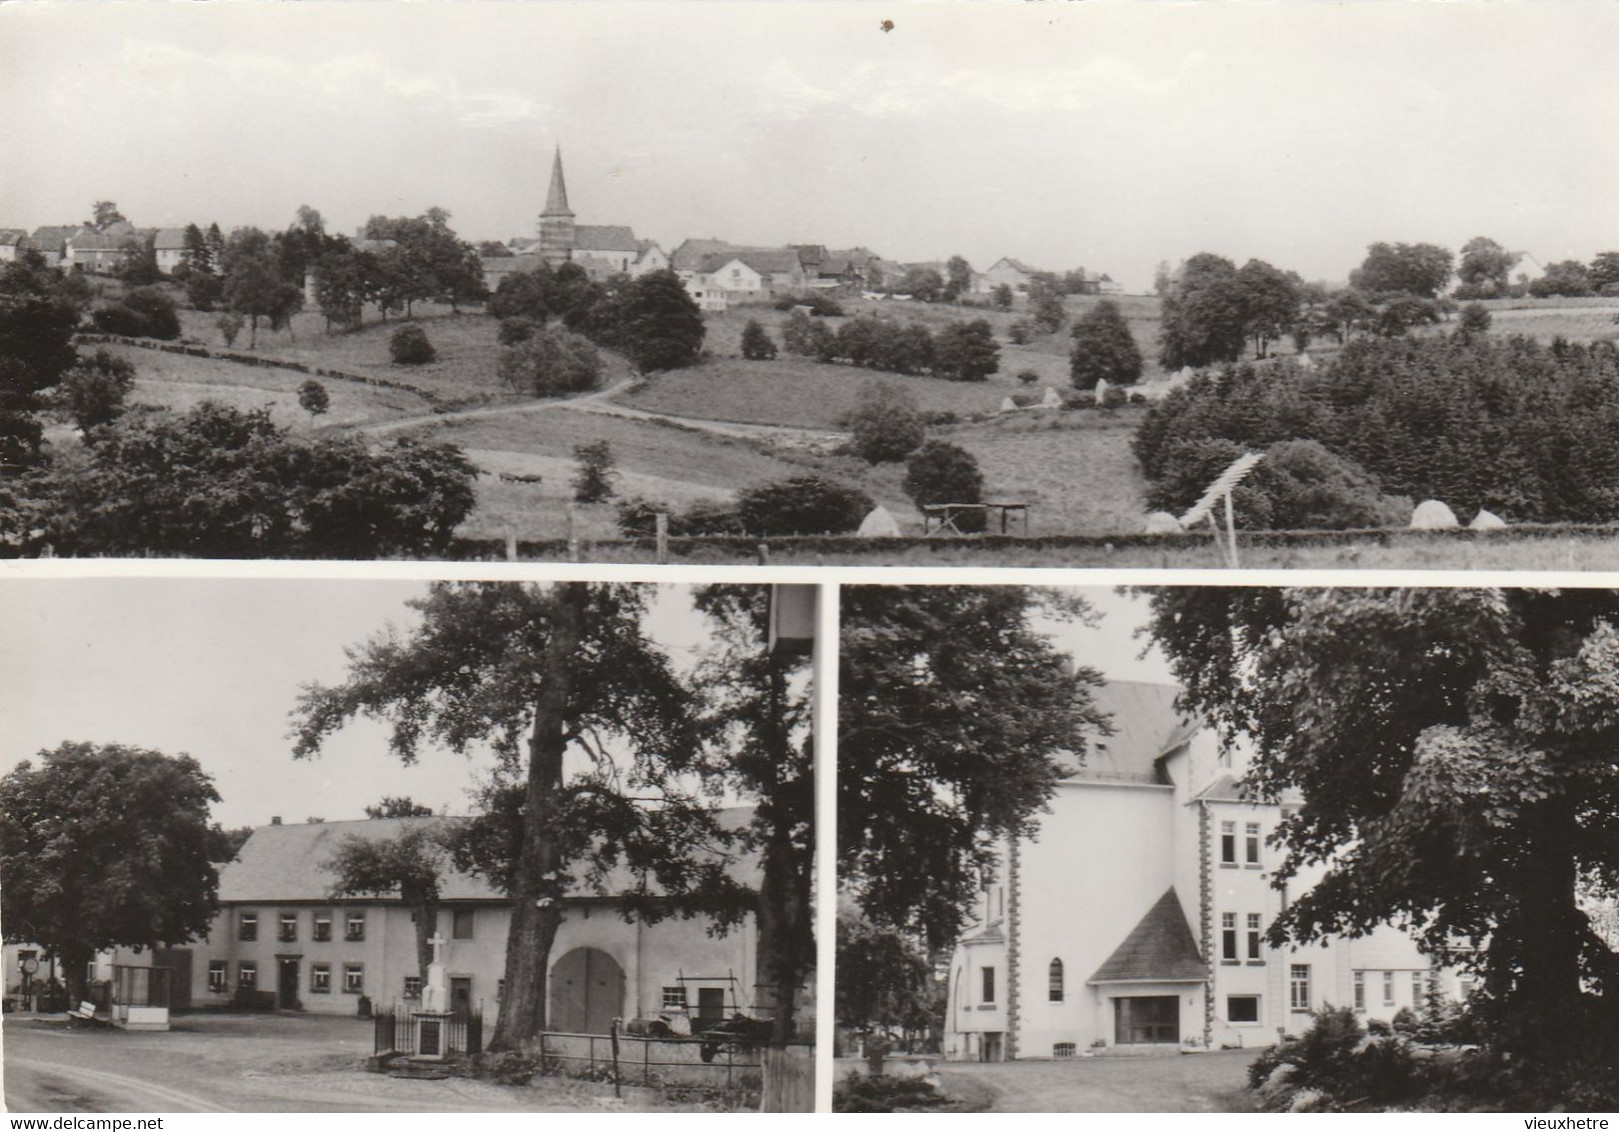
{"x":860,"y":1093}
{"x":1114,"y":397}
{"x":637,"y":518}
{"x":757,"y":345}
{"x":145,"y":312}
{"x":1475,"y":319}
{"x":1020,"y":331}
{"x":966,"y":351}
{"x":1103,"y":348}
{"x":886,"y":424}
{"x":1300,"y":485}
{"x":204,"y":290}
{"x":940,"y":472}
{"x":593,"y":475}
{"x":521,"y":294}
{"x":553,"y":363}
{"x":1027,"y":377}
{"x":230,"y":325}
{"x":516,"y":330}
{"x":409,"y":346}
{"x":313,"y":398}
{"x":802,"y":505}
{"x":93,"y":392}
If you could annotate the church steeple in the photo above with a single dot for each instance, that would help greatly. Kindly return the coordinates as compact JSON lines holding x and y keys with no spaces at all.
{"x":556,"y":222}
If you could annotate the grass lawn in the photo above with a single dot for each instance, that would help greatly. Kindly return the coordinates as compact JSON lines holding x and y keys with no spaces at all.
{"x":180,"y":383}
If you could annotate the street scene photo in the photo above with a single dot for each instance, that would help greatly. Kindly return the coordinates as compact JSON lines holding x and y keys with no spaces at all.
{"x":1198,"y":849}
{"x":1147,"y":285}
{"x":313,"y":845}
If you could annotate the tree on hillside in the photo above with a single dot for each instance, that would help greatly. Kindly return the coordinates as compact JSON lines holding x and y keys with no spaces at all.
{"x":254,"y":287}
{"x":941,"y":472}
{"x":886,"y":426}
{"x":36,"y":349}
{"x":1604,"y":272}
{"x":1104,"y":349}
{"x":93,"y":392}
{"x":215,"y":239}
{"x":1423,"y":270}
{"x":195,"y":254}
{"x":659,"y":324}
{"x":410,"y":864}
{"x":952,"y":712}
{"x":1485,"y":270}
{"x":1569,"y":277}
{"x":552,"y":362}
{"x":1203,"y":320}
{"x":757,"y":345}
{"x":313,"y":399}
{"x":106,"y":845}
{"x":522,"y":294}
{"x":1270,"y":301}
{"x":599,"y":756}
{"x":341,"y":286}
{"x":1001,"y":295}
{"x":1454,"y":749}
{"x":966,"y":351}
{"x":403,"y":806}
{"x":958,"y":278}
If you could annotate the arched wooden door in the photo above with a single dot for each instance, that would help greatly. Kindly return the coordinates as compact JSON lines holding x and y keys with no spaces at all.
{"x":587,"y":992}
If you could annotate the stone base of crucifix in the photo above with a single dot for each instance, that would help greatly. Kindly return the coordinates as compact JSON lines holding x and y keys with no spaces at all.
{"x":431,"y":1024}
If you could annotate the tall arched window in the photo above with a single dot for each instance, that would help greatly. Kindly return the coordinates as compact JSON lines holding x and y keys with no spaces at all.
{"x":1056,"y":980}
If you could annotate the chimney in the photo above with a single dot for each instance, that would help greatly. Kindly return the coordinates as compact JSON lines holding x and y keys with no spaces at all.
{"x":276,"y":820}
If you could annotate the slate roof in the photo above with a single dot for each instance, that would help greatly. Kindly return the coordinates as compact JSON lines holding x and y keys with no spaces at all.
{"x":1146,"y":726}
{"x":170,"y":240}
{"x":604,"y":238}
{"x":1016,"y":265}
{"x":1228,"y":788}
{"x":1158,"y":949}
{"x":12,"y":236}
{"x":556,"y":200}
{"x":286,"y":862}
{"x":766,"y":261}
{"x":52,"y":236}
{"x":689,"y":255}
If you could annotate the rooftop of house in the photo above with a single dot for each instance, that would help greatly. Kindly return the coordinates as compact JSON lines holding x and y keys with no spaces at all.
{"x":170,"y":239}
{"x":690,"y":253}
{"x":52,"y":236}
{"x":766,"y":261}
{"x":288,"y":862}
{"x":1146,"y":726}
{"x":1015,"y":265}
{"x":604,"y":238}
{"x":1160,"y":948}
{"x":10,"y":237}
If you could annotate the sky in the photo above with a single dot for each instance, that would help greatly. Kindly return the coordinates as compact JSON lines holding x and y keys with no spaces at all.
{"x":1110,"y":134}
{"x":213,"y":667}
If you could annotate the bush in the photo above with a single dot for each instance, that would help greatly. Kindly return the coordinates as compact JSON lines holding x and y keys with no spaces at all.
{"x":1299,"y":485}
{"x":860,"y":1093}
{"x":204,"y":290}
{"x":820,"y":304}
{"x":516,"y":330}
{"x":1475,"y":319}
{"x":757,"y":345}
{"x":145,"y":312}
{"x":409,"y":346}
{"x":1114,"y":397}
{"x":553,"y":363}
{"x":593,"y":477}
{"x":802,"y":505}
{"x":886,"y":424}
{"x":230,"y":325}
{"x":637,"y":518}
{"x":313,"y":398}
{"x":1027,"y":377}
{"x":966,"y":351}
{"x":941,"y":472}
{"x":1020,"y":331}
{"x":93,"y":392}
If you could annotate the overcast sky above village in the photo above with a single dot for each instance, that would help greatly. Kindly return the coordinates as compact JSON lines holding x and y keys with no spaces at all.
{"x":1103,"y":135}
{"x":212,"y":667}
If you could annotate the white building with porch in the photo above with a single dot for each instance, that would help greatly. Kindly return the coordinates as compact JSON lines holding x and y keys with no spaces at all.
{"x":1134,"y":918}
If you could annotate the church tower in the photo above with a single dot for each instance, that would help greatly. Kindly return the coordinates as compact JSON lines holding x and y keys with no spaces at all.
{"x":556,"y":222}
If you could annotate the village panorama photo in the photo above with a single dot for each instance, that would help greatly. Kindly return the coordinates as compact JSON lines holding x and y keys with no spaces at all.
{"x":498,"y":281}
{"x":1201,"y":849}
{"x":389,"y":846}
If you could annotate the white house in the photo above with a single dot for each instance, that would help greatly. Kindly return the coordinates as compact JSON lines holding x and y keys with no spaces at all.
{"x":746,"y":273}
{"x":12,"y":241}
{"x":1013,"y":272}
{"x":169,"y":245}
{"x":280,"y":930}
{"x":1135,"y":916}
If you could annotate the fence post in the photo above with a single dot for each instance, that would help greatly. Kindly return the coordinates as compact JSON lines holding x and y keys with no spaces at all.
{"x":646,"y":1062}
{"x":661,"y":519}
{"x":573,"y":536}
{"x":511,"y":545}
{"x":612,"y":1033}
{"x":764,"y":554}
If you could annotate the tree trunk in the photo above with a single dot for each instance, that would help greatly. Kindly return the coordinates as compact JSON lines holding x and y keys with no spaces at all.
{"x":426,"y":911}
{"x":1548,"y":928}
{"x":253,"y":332}
{"x":536,"y":891}
{"x":73,"y":962}
{"x":785,"y":916}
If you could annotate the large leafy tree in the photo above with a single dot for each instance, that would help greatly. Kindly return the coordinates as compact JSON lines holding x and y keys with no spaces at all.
{"x":409,"y":864}
{"x":599,"y":757}
{"x":1271,"y":299}
{"x":106,"y":845}
{"x":1204,"y":316}
{"x":255,"y":285}
{"x":1485,"y":268}
{"x":1103,"y":349}
{"x":884,"y":977}
{"x":1423,"y":270}
{"x":659,"y":324}
{"x":758,"y":712}
{"x":1455,"y":751}
{"x":952,"y":711}
{"x":966,"y":351}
